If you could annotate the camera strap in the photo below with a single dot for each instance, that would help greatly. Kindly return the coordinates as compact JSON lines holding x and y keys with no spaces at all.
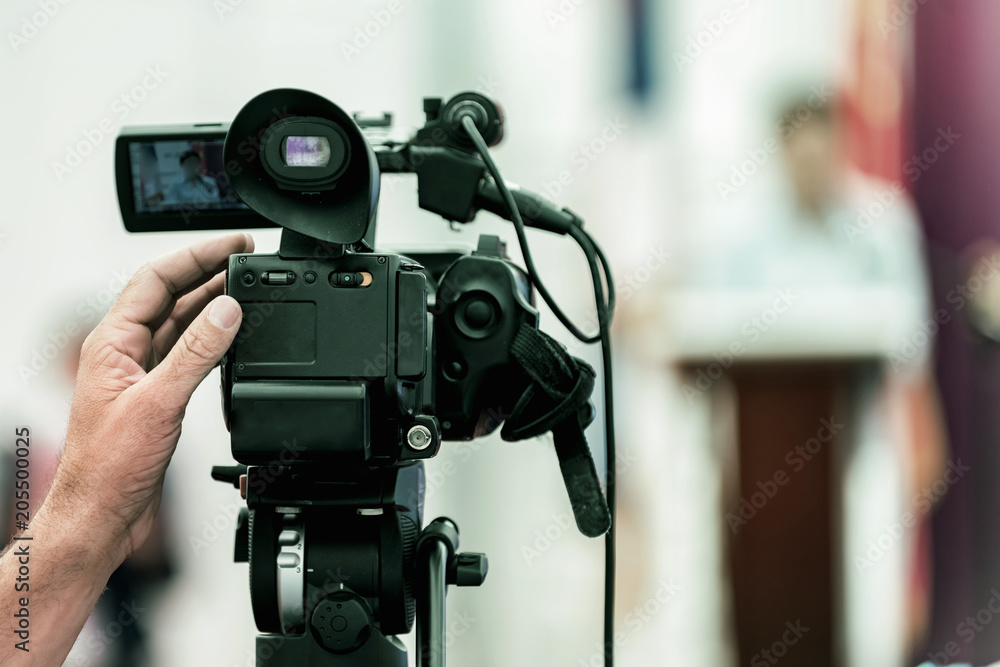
{"x":558,"y":400}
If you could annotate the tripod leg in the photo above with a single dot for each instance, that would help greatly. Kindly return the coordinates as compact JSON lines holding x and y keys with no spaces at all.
{"x":440,"y":564}
{"x":431,"y":612}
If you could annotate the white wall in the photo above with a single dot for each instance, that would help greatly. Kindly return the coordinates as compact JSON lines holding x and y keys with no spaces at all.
{"x":560,"y":82}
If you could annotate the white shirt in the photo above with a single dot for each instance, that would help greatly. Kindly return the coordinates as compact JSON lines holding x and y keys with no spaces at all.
{"x":200,"y":190}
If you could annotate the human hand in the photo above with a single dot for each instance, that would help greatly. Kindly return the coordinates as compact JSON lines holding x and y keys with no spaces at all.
{"x":166,"y":331}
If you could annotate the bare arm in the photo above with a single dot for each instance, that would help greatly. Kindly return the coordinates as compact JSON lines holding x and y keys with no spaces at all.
{"x":138,"y":369}
{"x":52,"y":576}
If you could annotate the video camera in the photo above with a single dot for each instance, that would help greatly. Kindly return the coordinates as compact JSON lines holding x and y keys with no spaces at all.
{"x":353,"y":364}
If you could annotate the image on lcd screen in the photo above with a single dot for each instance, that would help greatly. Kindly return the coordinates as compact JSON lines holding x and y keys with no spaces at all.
{"x":180,"y":176}
{"x":307,"y":151}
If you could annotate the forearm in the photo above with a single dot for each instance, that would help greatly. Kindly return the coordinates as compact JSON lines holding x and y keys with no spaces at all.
{"x":123,"y":428}
{"x":51,"y":577}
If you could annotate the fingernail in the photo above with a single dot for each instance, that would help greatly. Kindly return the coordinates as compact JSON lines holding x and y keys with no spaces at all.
{"x":224,"y":312}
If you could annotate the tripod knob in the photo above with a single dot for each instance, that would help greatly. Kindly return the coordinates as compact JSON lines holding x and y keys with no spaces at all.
{"x":468,"y":569}
{"x":229,"y":474}
{"x":342,"y":622}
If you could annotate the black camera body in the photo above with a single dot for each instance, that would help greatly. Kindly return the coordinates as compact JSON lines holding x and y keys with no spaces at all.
{"x":370,"y":359}
{"x":352,"y":364}
{"x":332,"y":355}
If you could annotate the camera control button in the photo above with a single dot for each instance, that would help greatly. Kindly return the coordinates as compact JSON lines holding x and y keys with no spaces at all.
{"x":277,"y":277}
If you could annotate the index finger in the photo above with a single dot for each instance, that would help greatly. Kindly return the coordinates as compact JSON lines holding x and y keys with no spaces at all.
{"x":154,"y":287}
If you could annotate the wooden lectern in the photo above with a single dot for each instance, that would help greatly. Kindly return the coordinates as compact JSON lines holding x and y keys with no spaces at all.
{"x":792,"y":372}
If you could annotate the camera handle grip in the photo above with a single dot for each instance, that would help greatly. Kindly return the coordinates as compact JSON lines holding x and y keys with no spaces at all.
{"x":558,"y":400}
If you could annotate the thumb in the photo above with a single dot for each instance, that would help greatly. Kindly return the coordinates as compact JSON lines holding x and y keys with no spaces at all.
{"x":198,"y":350}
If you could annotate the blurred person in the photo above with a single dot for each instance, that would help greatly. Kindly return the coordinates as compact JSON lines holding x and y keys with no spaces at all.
{"x":821,"y":229}
{"x":193,"y":187}
{"x":839,"y":228}
{"x":166,"y":331}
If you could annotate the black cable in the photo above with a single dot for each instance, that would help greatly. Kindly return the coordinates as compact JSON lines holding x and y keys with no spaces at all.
{"x":606,"y":269}
{"x":522,"y":240}
{"x":604,"y":315}
{"x":600,"y":272}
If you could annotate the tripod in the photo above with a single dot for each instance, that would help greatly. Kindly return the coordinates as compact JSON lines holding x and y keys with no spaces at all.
{"x":339,"y":568}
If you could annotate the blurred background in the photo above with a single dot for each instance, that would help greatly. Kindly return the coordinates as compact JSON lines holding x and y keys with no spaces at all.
{"x":799,"y":201}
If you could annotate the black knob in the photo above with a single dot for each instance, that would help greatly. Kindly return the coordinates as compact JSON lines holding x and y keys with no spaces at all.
{"x":468,"y":570}
{"x":342,"y":622}
{"x":229,"y":474}
{"x":432,"y":108}
{"x":479,"y":313}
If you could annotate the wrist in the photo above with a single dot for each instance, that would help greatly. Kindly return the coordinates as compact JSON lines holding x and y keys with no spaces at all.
{"x":61,"y":562}
{"x":89,"y":534}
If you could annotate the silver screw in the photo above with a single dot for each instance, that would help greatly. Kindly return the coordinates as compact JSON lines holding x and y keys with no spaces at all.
{"x":419,"y":437}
